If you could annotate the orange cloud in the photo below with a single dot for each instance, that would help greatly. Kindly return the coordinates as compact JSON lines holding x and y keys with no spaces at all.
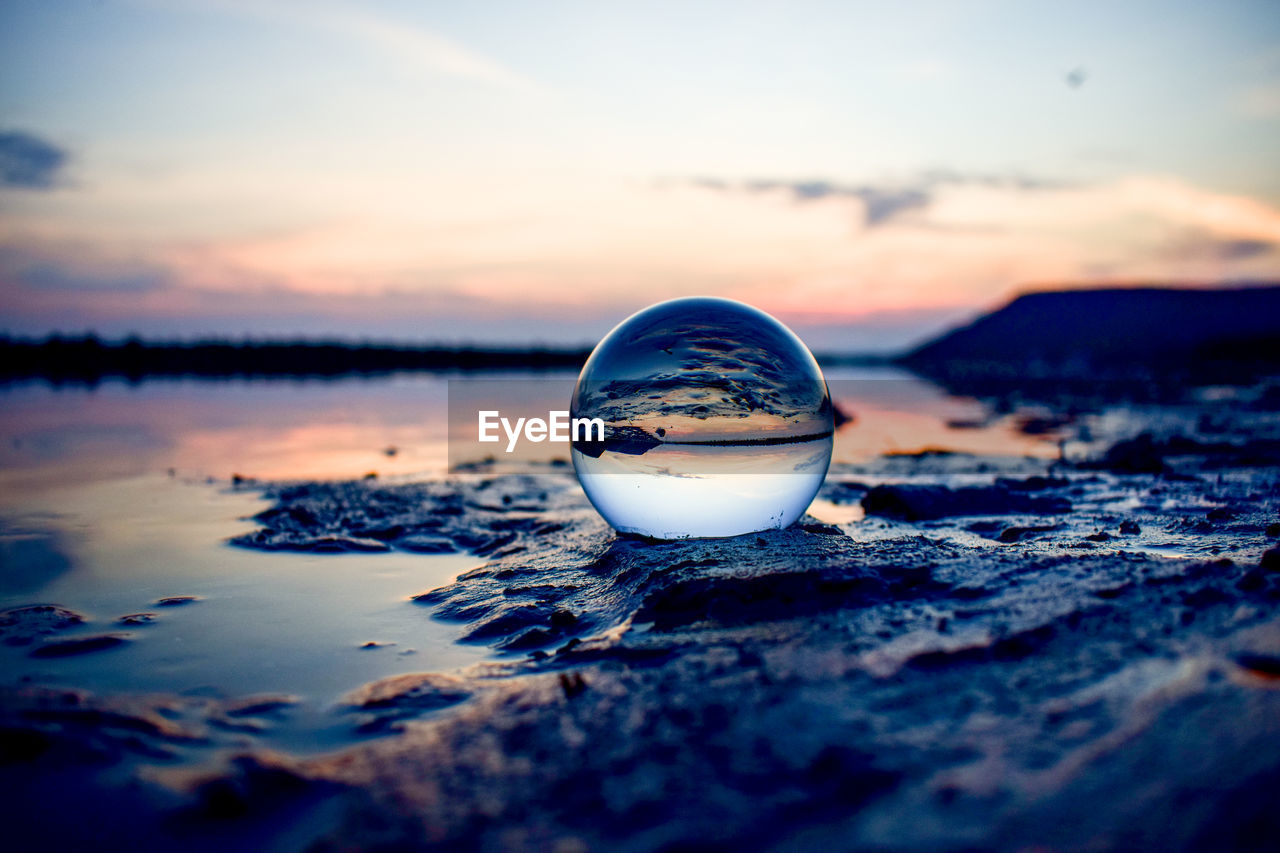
{"x":539,"y":248}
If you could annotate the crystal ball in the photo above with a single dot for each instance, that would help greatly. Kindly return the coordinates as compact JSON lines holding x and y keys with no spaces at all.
{"x":716,"y":422}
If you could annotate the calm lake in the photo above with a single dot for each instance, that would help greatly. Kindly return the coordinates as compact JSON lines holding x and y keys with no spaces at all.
{"x":115,"y":497}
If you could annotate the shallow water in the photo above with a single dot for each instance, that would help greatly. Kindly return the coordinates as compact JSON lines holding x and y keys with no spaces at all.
{"x":285,"y":623}
{"x":115,"y":497}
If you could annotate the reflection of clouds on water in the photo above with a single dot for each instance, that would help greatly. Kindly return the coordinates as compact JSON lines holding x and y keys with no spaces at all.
{"x":703,"y":359}
{"x":701,"y":394}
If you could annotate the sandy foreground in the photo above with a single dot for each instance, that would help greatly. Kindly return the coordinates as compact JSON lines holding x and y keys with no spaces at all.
{"x":1003,"y":654}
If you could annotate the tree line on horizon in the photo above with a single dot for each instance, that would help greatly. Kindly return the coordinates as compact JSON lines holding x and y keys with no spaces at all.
{"x":86,"y":359}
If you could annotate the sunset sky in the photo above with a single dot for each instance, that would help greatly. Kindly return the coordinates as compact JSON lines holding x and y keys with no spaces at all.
{"x":535,"y":171}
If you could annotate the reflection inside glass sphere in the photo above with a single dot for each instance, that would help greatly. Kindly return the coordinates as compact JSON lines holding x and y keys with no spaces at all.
{"x":717,"y":422}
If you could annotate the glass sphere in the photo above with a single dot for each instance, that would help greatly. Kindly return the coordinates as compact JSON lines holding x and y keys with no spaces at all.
{"x":716,"y":422}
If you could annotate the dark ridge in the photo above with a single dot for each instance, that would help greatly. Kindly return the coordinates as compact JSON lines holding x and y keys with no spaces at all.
{"x":1075,"y":349}
{"x":1079,"y":331}
{"x":87,"y":360}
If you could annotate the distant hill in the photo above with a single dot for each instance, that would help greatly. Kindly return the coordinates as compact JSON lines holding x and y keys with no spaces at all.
{"x":1113,"y":331}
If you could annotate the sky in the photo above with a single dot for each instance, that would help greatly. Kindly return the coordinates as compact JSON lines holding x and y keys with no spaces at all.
{"x":869,"y":173}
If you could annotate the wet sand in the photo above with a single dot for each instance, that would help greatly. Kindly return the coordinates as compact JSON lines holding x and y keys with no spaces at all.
{"x":994,"y":653}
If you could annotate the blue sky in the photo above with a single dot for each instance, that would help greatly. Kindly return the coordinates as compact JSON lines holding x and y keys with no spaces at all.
{"x":868,"y":172}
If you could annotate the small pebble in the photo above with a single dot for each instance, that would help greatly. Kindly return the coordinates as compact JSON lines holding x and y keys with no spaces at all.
{"x":262,"y":703}
{"x":20,"y":626}
{"x":79,"y":645}
{"x":178,"y":600}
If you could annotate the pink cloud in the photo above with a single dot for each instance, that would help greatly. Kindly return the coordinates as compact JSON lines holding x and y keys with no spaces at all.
{"x":586,"y":260}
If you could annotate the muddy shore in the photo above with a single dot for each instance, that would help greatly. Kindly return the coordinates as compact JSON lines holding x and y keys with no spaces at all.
{"x":1003,"y":653}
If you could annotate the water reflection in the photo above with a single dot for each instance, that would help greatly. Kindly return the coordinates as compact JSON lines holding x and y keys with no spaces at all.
{"x":394,"y":427}
{"x":106,"y":506}
{"x":265,"y":429}
{"x":895,"y":411}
